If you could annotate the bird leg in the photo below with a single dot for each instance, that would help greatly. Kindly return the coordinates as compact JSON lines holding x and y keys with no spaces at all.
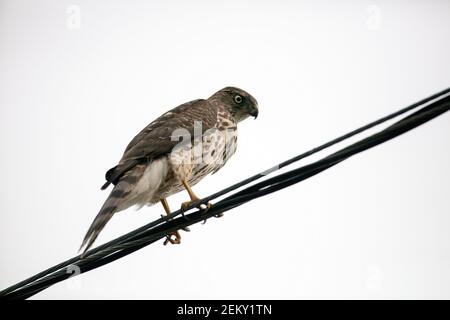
{"x":174,"y":237}
{"x":193,"y":197}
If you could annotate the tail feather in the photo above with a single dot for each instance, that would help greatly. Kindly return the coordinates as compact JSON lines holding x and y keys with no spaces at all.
{"x":97,"y":225}
{"x":122,"y":196}
{"x":116,"y":201}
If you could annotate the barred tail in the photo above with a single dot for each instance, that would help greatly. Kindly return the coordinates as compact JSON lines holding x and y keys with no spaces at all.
{"x":102,"y":218}
{"x":116,"y":201}
{"x":124,"y":196}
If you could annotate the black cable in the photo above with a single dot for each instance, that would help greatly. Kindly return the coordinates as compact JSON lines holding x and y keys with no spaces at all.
{"x":233,"y":187}
{"x":159,"y":228}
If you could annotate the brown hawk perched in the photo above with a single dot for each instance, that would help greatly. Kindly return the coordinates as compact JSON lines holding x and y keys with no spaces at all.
{"x":173,"y":153}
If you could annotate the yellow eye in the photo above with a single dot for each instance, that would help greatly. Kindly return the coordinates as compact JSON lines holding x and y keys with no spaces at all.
{"x":238,"y":99}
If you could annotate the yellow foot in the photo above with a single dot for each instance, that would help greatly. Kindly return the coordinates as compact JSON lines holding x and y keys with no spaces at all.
{"x":208,"y":206}
{"x":173,"y":238}
{"x":185,"y":205}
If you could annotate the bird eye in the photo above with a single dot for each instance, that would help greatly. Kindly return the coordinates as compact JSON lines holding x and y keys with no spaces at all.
{"x":238,"y":99}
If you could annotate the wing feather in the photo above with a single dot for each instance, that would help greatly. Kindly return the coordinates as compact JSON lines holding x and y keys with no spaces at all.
{"x":156,"y":139}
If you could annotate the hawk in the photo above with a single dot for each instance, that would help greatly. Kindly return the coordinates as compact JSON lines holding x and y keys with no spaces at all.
{"x":173,"y":153}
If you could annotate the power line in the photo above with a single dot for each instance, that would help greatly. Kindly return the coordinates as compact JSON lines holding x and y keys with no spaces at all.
{"x":431,"y":107}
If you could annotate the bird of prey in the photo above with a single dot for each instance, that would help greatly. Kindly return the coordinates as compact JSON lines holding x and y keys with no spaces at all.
{"x":173,"y":153}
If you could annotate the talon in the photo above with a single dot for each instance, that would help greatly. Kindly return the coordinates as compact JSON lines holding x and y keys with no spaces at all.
{"x":185,"y":205}
{"x":206,"y":207}
{"x":175,"y":240}
{"x":174,"y":237}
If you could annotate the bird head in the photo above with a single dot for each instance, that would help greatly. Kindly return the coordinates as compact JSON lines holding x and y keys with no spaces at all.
{"x":238,"y":102}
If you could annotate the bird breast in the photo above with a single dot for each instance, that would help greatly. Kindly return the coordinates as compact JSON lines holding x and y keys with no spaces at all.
{"x":205,"y":155}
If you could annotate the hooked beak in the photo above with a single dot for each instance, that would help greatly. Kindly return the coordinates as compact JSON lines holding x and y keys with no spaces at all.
{"x":254,"y":112}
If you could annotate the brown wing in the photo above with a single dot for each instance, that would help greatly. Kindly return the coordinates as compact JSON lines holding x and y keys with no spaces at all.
{"x":156,"y":139}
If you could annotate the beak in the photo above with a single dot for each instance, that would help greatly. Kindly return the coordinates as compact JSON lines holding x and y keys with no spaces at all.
{"x":254,"y":112}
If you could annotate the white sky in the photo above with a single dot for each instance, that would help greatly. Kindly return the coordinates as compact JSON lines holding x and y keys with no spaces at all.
{"x":71,"y":98}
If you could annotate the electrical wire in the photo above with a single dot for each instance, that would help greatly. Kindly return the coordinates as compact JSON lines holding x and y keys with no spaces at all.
{"x":431,"y":107}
